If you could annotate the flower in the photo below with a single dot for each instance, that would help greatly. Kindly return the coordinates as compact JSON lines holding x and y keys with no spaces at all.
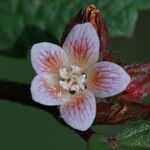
{"x":71,"y":77}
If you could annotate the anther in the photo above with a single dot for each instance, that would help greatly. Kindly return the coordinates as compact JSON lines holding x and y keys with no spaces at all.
{"x":72,"y":92}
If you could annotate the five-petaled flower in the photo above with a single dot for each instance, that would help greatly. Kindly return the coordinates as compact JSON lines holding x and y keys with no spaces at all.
{"x":72,"y":78}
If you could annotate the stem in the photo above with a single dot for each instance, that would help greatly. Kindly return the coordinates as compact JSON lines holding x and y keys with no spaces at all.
{"x":20,"y":93}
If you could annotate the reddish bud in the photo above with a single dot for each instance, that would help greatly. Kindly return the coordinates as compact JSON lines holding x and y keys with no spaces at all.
{"x":140,"y":82}
{"x":110,"y":56}
{"x":92,"y":15}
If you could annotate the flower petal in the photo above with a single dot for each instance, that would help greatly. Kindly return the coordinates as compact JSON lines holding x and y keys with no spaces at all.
{"x":80,"y":111}
{"x":107,"y":79}
{"x":82,"y":44}
{"x":46,"y":93}
{"x":47,"y":57}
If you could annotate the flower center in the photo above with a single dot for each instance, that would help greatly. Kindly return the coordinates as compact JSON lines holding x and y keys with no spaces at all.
{"x":72,"y":79}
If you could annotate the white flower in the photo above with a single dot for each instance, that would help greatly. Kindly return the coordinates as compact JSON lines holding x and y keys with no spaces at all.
{"x":71,"y":77}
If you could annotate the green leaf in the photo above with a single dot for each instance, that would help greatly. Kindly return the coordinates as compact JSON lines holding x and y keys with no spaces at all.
{"x":10,"y":28}
{"x":97,"y":142}
{"x":50,"y":17}
{"x":136,"y":138}
{"x":143,"y":4}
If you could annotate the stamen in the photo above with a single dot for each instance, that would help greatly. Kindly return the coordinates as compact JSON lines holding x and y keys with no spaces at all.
{"x":72,"y":92}
{"x":72,"y":79}
{"x":85,"y":75}
{"x":75,"y":69}
{"x":64,"y":84}
{"x":64,"y":73}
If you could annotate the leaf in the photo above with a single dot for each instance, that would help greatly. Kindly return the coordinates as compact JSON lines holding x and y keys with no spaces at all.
{"x":97,"y":142}
{"x":143,"y":4}
{"x":134,"y":137}
{"x":10,"y":29}
{"x":51,"y":17}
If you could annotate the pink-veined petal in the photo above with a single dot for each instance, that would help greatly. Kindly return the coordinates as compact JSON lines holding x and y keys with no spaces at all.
{"x":107,"y":79}
{"x":82,"y":44}
{"x":46,"y":93}
{"x":47,"y":57}
{"x":79,"y":112}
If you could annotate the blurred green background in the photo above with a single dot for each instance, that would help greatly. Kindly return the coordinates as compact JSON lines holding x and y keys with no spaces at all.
{"x":28,"y":128}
